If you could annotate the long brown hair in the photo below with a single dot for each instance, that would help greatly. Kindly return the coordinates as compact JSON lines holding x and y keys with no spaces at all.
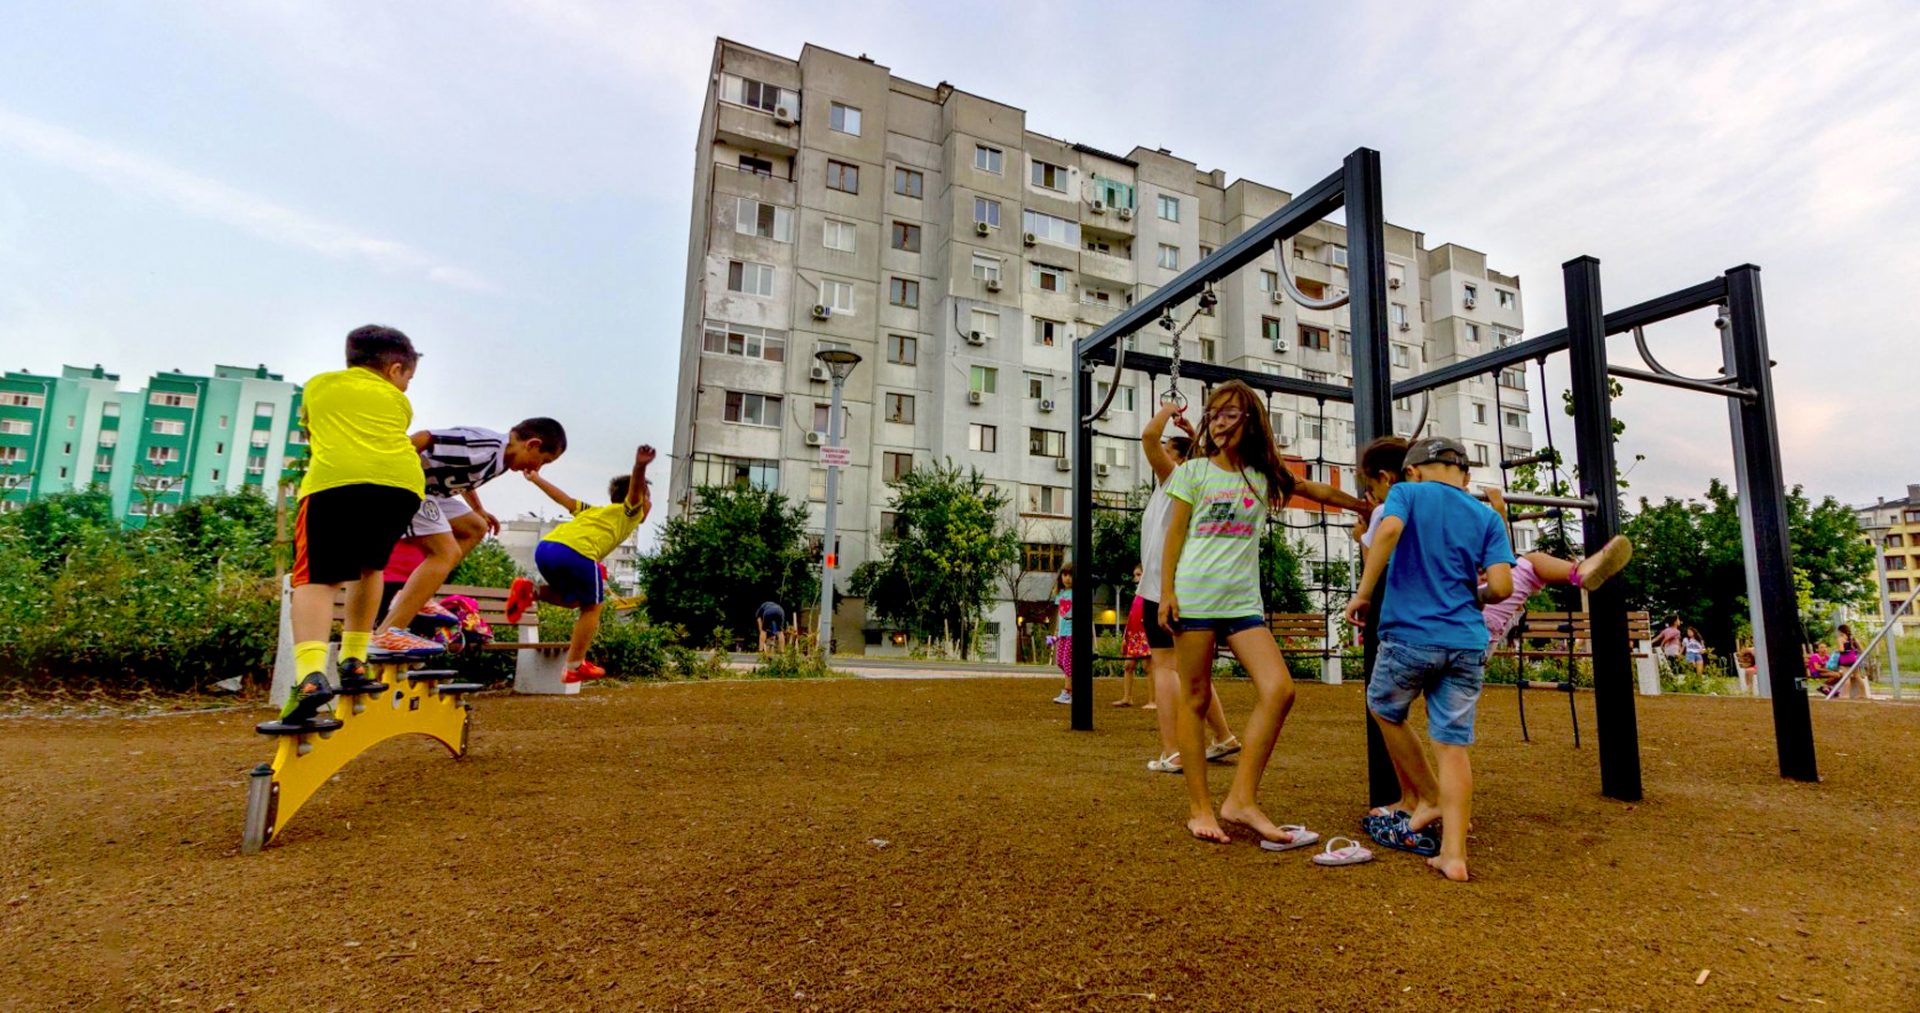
{"x":1255,"y":446}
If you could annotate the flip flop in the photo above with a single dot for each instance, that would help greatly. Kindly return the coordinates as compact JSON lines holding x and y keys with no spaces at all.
{"x":1352,"y":854}
{"x":1297,"y":837}
{"x":1400,"y":837}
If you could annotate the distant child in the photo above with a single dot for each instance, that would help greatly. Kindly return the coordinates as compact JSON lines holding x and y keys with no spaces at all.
{"x":1431,"y":546}
{"x":771,"y":622}
{"x":1695,"y":650}
{"x":363,"y":484}
{"x":569,"y":558}
{"x":1063,"y":630}
{"x":1133,"y":645}
{"x":1749,"y":665}
{"x":451,"y":520}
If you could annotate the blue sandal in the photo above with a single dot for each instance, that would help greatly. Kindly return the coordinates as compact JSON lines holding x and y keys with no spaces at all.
{"x":1396,"y":833}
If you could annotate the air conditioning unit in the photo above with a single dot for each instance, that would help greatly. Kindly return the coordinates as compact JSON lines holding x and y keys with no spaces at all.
{"x":1468,"y":302}
{"x":981,"y":228}
{"x":1099,"y":206}
{"x":976,"y":338}
{"x":1279,"y":297}
{"x":1029,"y":239}
{"x":819,"y":374}
{"x":1281,"y":347}
{"x":1393,"y":283}
{"x":976,"y":397}
{"x":815,"y":438}
{"x":1285,"y":441}
{"x":993,"y":284}
{"x":1126,"y":214}
{"x":1062,"y":464}
{"x":783,"y":116}
{"x":1100,"y":471}
{"x":1406,"y":325}
{"x":1046,"y":404}
{"x":822,"y":311}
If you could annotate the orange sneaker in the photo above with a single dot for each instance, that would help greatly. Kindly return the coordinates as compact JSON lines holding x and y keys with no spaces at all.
{"x":519,"y":596}
{"x":583,"y":672}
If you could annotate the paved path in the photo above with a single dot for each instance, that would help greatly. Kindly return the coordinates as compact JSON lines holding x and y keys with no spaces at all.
{"x":917,"y":668}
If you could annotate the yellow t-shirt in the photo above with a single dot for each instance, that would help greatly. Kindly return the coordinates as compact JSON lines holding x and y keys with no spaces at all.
{"x":595,"y":532}
{"x":357,"y":431}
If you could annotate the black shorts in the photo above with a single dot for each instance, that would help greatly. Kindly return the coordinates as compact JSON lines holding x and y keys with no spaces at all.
{"x":343,"y":532}
{"x":1157,"y":636}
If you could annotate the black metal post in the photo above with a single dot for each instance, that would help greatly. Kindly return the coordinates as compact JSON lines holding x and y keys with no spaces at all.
{"x":1083,"y":632}
{"x":1613,"y":688}
{"x":1372,"y":390}
{"x":1763,"y":489}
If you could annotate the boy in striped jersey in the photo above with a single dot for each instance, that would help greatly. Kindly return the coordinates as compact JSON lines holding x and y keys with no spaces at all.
{"x":451,"y":519}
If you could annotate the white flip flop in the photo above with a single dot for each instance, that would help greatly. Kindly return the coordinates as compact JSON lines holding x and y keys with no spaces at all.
{"x":1352,"y":854}
{"x":1297,"y":837}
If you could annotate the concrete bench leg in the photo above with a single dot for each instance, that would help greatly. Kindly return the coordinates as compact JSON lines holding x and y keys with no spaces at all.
{"x":284,"y":675}
{"x":541,"y":671}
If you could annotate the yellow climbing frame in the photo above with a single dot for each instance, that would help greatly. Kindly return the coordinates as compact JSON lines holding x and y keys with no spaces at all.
{"x":304,"y":762}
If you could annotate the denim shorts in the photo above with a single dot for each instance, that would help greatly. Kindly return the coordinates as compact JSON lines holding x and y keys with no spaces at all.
{"x":1222,"y":628}
{"x":1449,"y":677}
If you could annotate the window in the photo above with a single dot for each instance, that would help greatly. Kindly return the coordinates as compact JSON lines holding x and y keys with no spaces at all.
{"x":817,"y":487}
{"x":1402,"y":356}
{"x":1473,"y":334}
{"x":110,"y":410}
{"x":1048,"y":229}
{"x":1504,"y":336}
{"x":103,"y":462}
{"x":1469,"y":294}
{"x":1396,"y":274}
{"x":30,"y":400}
{"x":745,"y":341}
{"x":1123,"y":399}
{"x":757,"y":166}
{"x":716,"y":470}
{"x":983,"y":379}
{"x":260,"y":438}
{"x":982,"y":438}
{"x":10,"y":454}
{"x":109,"y":437}
{"x":988,"y":159}
{"x":900,"y":408}
{"x":1514,"y":377}
{"x":890,"y":524}
{"x":906,"y":237}
{"x":169,"y":427}
{"x":845,"y":119}
{"x":297,"y":437}
{"x":839,"y":235}
{"x":909,"y":183}
{"x":162,"y":455}
{"x":16,"y":427}
{"x":987,"y":211}
{"x":895,"y":467}
{"x":837,"y":295}
{"x":223,"y":422}
{"x":1169,"y":208}
{"x":1315,"y":337}
{"x":759,"y":95}
{"x":1169,"y":257}
{"x":219,"y":448}
{"x":1110,"y":452}
{"x":986,"y":267}
{"x":72,"y":420}
{"x":1397,"y":314}
{"x":749,"y":278}
{"x":986,"y":323}
{"x":1205,"y":251}
{"x":753,"y":409}
{"x":166,"y":399}
{"x":1346,"y":344}
{"x":1049,"y":279}
{"x":1339,"y":256}
{"x":1272,"y":369}
{"x":1048,"y":176}
{"x":758,"y":218}
{"x":843,"y":177}
{"x":262,"y":410}
{"x":1046,"y":443}
{"x":1209,"y":350}
{"x":1114,"y":194}
{"x":1508,"y":300}
{"x":1898,"y":585}
{"x":1047,"y":500}
{"x":1039,"y":557}
{"x":1896,"y":541}
{"x":1514,"y":420}
{"x":903,"y":292}
{"x":1479,"y":414}
{"x":1037,"y":384}
{"x":1480,"y":455}
{"x":1269,"y":281}
{"x":903,"y":349}
{"x":1316,"y":376}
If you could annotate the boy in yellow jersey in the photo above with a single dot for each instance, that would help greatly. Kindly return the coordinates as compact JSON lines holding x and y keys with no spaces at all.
{"x":363,"y":484}
{"x":569,"y":557}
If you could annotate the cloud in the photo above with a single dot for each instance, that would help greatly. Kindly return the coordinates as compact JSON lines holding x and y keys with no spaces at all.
{"x":202,"y":197}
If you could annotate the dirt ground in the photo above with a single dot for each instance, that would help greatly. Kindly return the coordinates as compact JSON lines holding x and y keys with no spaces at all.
{"x":870,"y":845}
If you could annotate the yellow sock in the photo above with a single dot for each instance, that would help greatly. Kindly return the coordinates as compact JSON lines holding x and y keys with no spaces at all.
{"x":309,"y":657}
{"x":354,"y":645}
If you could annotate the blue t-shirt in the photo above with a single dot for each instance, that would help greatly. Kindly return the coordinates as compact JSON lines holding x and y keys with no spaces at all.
{"x":1434,"y":575}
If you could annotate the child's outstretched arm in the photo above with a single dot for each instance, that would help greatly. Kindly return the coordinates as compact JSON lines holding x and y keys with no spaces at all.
{"x":1321,"y":492}
{"x":553,"y":492}
{"x":1384,"y":540}
{"x":639,"y":500}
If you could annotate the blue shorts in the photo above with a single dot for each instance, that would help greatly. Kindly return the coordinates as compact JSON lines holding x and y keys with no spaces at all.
{"x":774,"y":626}
{"x":1450,"y":678}
{"x":572,"y":576}
{"x":1222,"y":628}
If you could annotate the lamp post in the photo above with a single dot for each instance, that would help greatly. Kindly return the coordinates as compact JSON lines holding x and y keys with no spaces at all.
{"x":1878,"y":531}
{"x":839,"y":363}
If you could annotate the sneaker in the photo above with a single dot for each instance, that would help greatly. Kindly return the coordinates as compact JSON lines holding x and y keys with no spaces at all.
{"x":1064,"y":697}
{"x":353,"y":677}
{"x":304,"y":703}
{"x":1223,"y":749}
{"x":435,"y":614}
{"x":519,"y":596}
{"x":583,"y":672}
{"x":1611,"y":559}
{"x":406,"y":645}
{"x":1168,"y":764}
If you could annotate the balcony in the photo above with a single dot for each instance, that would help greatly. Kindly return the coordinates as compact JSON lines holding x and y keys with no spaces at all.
{"x":733,"y":181}
{"x":755,"y":129}
{"x":1107,"y":267}
{"x":1098,"y":314}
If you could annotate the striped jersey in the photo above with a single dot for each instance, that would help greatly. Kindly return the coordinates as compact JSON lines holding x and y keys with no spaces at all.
{"x":462,"y":458}
{"x":1218,"y":573}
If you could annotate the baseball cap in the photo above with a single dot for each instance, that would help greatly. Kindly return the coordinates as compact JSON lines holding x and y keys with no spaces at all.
{"x":1437,"y":450}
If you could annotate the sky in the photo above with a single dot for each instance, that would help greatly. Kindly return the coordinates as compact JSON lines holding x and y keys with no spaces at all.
{"x":509,"y":181}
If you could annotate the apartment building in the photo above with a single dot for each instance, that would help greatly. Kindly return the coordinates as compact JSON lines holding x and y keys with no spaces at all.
{"x":961,"y":254}
{"x":1894,"y":527}
{"x":152,"y":449}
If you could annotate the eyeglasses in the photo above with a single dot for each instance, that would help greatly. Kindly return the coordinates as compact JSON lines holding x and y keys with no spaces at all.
{"x":1229,"y":415}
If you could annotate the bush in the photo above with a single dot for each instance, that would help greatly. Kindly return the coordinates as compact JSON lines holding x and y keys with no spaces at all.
{"x":792,"y":662}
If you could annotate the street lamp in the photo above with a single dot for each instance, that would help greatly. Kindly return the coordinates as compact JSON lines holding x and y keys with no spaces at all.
{"x":1877,"y":532}
{"x":839,"y":363}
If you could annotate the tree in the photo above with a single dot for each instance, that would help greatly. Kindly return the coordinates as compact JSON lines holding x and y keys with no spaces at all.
{"x":488,"y":565}
{"x":741,"y":546}
{"x":936,"y":572}
{"x":225,"y":531}
{"x":1283,"y":579}
{"x":53,"y":526}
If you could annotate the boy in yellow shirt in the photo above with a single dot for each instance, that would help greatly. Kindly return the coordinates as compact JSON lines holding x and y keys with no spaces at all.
{"x":569,"y":557}
{"x":362,"y":486}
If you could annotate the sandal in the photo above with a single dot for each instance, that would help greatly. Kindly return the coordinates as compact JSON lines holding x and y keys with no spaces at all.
{"x":1168,"y":764}
{"x":1224,"y":748}
{"x":1352,"y":854}
{"x":1297,"y":837}
{"x":1398,"y":835}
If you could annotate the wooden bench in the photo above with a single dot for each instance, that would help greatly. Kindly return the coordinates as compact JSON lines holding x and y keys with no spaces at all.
{"x":539,"y":669}
{"x":1303,"y":633}
{"x":1549,"y":635}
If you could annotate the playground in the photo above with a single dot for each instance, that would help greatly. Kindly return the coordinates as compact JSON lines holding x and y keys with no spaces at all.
{"x":943,"y":844}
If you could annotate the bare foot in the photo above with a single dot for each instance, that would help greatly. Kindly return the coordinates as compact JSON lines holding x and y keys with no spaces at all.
{"x":1207,"y":828}
{"x":1149,"y":706}
{"x":1452,"y":868}
{"x":1253,"y":819}
{"x":1123,"y":703}
{"x":1402,"y":806}
{"x":1423,"y":816}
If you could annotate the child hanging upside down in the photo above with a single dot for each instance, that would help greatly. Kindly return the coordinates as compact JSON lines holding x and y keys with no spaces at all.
{"x":569,"y":557}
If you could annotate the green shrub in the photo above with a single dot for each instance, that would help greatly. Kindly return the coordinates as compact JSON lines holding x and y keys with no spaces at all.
{"x":791,"y":662}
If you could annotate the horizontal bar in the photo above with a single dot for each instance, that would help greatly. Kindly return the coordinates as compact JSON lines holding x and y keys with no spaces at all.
{"x":1538,"y":515}
{"x":1666,"y":307}
{"x":1480,"y":365}
{"x":1684,"y":383}
{"x":1538,"y":499}
{"x":1543,"y":457}
{"x":1322,"y":199}
{"x":1207,"y":372}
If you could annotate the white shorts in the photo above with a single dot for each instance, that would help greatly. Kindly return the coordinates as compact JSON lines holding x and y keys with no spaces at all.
{"x":435,"y":516}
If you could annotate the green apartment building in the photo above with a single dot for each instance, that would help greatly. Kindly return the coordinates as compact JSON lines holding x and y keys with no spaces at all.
{"x":179,"y":437}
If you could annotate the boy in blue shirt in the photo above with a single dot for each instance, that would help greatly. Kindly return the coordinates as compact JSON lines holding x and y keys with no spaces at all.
{"x":1432,"y":545}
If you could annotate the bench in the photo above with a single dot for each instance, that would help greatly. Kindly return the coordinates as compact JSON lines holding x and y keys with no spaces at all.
{"x":538,"y":669}
{"x":1547,"y":635}
{"x":1303,"y":633}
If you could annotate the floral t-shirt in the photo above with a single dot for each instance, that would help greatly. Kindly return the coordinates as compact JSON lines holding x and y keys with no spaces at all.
{"x":1063,"y":608}
{"x":1218,"y":573}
